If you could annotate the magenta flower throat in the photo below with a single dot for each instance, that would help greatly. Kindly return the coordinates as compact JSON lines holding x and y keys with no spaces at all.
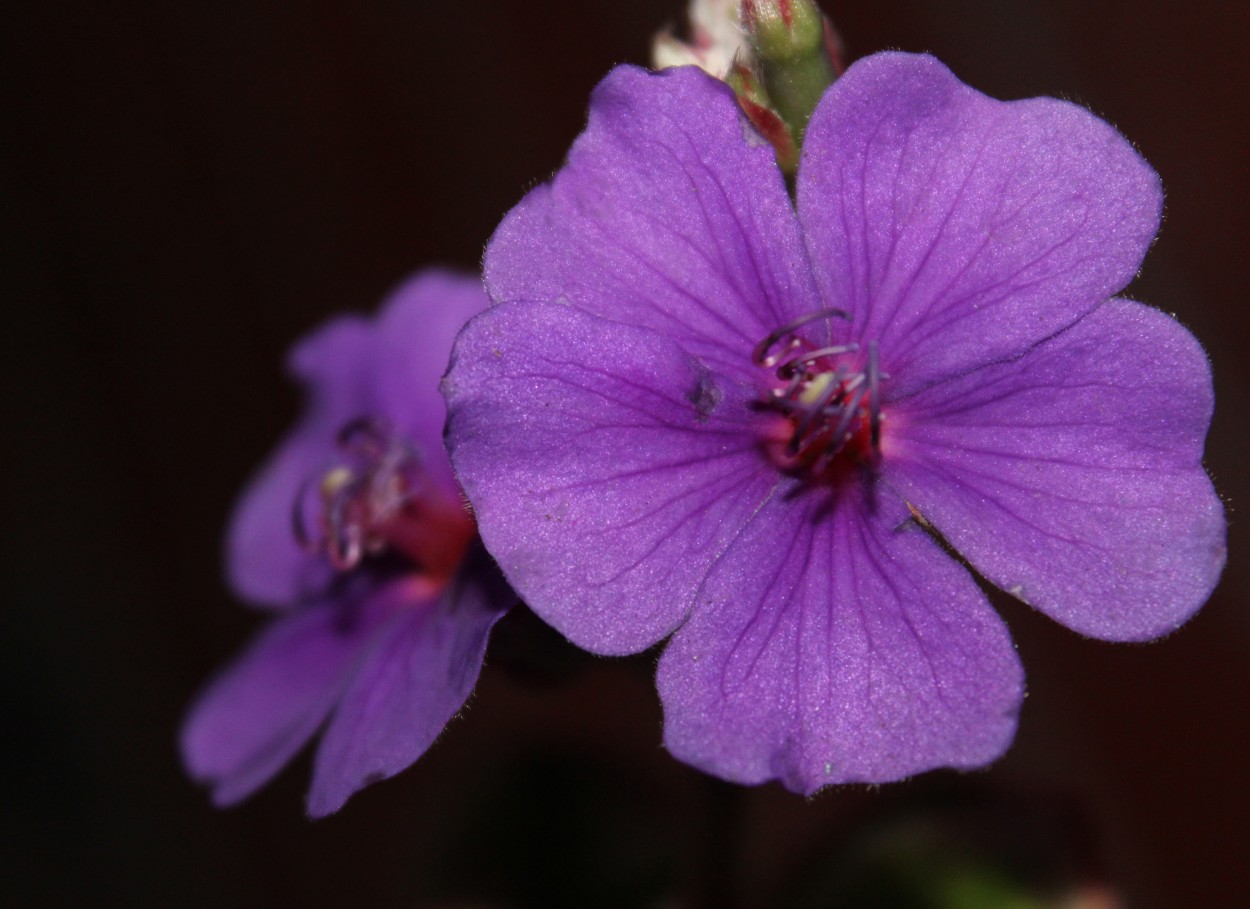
{"x":356,"y":533}
{"x":703,"y":413}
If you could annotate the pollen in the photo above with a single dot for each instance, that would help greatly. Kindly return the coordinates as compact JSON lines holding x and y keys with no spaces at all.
{"x":335,"y":480}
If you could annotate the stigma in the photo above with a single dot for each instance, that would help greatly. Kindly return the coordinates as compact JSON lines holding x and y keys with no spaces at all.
{"x":378,"y":500}
{"x":829,"y":396}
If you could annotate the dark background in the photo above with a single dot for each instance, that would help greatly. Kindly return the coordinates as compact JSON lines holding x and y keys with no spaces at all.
{"x":186,"y":188}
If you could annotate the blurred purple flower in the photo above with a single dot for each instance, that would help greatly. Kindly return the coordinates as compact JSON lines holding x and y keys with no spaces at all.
{"x":704,"y":412}
{"x":356,"y":531}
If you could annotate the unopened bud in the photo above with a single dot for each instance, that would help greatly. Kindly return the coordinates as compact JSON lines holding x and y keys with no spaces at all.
{"x":797,"y":56}
{"x":777,"y":55}
{"x":783,"y":29}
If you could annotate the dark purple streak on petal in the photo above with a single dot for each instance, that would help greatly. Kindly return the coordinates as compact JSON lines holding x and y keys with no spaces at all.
{"x":959,"y":230}
{"x":258,"y":713}
{"x":1073,"y":476}
{"x":410,"y":684}
{"x":670,"y":214}
{"x":834,"y":645}
{"x":607,"y":467}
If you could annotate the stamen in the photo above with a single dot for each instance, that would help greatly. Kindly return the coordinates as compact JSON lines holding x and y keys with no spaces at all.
{"x":850,"y":410}
{"x":344,"y":535}
{"x":853,"y":383}
{"x":825,"y":352}
{"x":760,"y":354}
{"x":816,"y":411}
{"x":363,"y":436}
{"x":360,"y":501}
{"x":839,"y":437}
{"x":831,"y":396}
{"x":786,"y":393}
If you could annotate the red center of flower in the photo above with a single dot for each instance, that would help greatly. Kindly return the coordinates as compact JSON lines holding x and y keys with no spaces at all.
{"x":380,"y":500}
{"x":830,"y":397}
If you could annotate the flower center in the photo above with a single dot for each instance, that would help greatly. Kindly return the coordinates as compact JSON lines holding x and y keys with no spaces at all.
{"x":829,"y":395}
{"x":379,"y":500}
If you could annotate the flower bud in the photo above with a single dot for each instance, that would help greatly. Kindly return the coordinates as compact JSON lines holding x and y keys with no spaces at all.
{"x":758,"y":47}
{"x":797,"y":56}
{"x":783,"y":29}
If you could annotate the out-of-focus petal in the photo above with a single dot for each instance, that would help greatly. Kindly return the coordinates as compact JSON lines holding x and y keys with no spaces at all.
{"x":414,"y":333}
{"x":351,"y":368}
{"x":264,"y":562}
{"x":832,"y":644}
{"x":1073,"y":476}
{"x":413,"y":681}
{"x":670,"y":214}
{"x":607,"y":467}
{"x":261,"y":709}
{"x":959,"y":230}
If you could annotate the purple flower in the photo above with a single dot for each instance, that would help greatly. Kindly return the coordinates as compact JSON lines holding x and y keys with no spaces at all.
{"x":706,"y":413}
{"x":355,"y":531}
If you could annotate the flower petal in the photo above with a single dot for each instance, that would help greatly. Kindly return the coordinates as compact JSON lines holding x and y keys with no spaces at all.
{"x":834,"y":644}
{"x":265,"y":563}
{"x":670,"y":214}
{"x":1073,"y":476}
{"x":607,"y":467}
{"x":959,"y":230}
{"x":255,"y":716}
{"x":413,"y":681}
{"x":351,"y":368}
{"x":414,"y":333}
